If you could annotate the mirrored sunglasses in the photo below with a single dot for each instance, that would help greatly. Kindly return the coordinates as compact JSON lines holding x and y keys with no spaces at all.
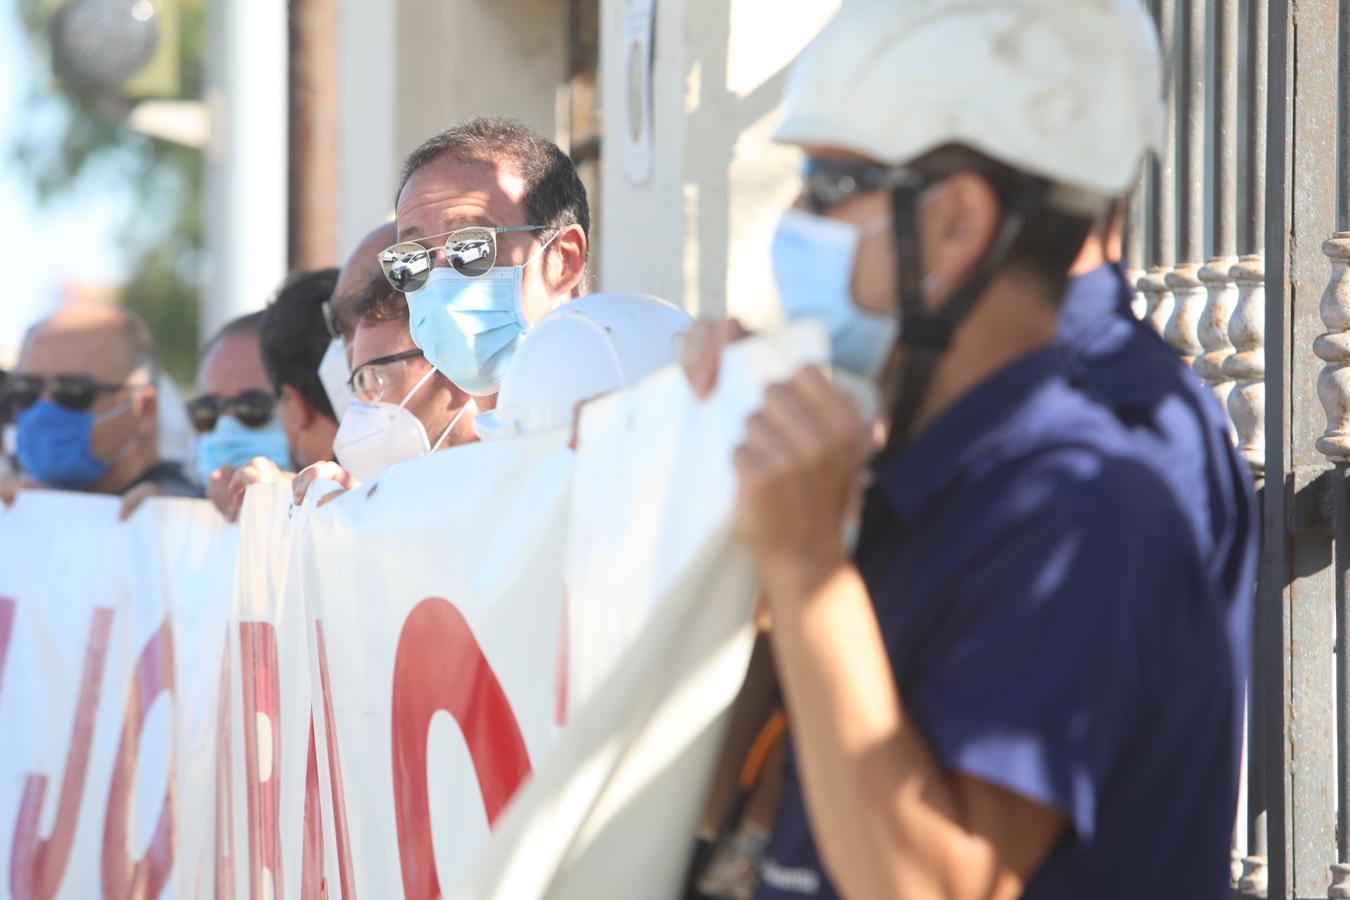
{"x":472,"y":252}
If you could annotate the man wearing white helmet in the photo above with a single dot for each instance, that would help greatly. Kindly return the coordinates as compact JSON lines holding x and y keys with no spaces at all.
{"x":1025,"y":654}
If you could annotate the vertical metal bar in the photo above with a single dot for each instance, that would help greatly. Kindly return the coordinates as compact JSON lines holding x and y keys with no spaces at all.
{"x":1191,"y":93}
{"x":1163,"y":184}
{"x":1258,"y":76}
{"x":1225,"y":129}
{"x":1187,"y":290}
{"x":1340,"y":872}
{"x":1135,"y":228}
{"x":1343,"y":117}
{"x":1301,"y":211}
{"x":1333,"y":389}
{"x":1220,"y":287}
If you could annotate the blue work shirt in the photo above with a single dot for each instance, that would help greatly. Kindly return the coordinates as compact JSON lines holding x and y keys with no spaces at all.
{"x":1180,"y":429}
{"x":1052,"y":630}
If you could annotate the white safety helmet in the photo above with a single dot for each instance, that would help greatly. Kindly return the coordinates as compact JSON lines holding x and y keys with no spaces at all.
{"x":589,"y":347}
{"x":1067,"y":90}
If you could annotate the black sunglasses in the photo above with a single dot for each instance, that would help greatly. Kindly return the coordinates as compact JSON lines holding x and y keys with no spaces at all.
{"x":253,"y":409}
{"x":826,"y":183}
{"x":74,"y":392}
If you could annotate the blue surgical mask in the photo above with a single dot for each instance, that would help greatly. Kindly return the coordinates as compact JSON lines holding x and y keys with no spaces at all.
{"x":469,"y":328}
{"x":54,"y":445}
{"x":231,"y":443}
{"x":813,"y":261}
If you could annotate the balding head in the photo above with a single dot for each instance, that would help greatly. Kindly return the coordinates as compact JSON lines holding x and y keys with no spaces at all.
{"x":113,"y":347}
{"x":96,"y":339}
{"x":358,"y":273}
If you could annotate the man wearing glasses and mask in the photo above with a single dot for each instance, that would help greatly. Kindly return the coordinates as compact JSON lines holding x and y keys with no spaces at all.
{"x":234,"y":412}
{"x":401,"y":407}
{"x":493,"y":227}
{"x":84,"y":401}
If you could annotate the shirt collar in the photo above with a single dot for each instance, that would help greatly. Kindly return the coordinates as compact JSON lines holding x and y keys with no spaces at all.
{"x":967,"y":431}
{"x":1091,"y":299}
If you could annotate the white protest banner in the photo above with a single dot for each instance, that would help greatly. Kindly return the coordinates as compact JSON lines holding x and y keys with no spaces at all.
{"x":660,"y":599}
{"x":346,"y":699}
{"x":110,"y":646}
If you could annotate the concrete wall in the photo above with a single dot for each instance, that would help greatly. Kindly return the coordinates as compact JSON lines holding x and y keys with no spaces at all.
{"x":410,"y":68}
{"x":698,"y":232}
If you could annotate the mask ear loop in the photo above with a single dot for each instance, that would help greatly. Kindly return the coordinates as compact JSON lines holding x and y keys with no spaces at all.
{"x":417,"y":387}
{"x":121,"y":452}
{"x":453,"y":422}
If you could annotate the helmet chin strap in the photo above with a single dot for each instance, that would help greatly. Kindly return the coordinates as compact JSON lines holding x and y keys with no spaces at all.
{"x":924,"y":334}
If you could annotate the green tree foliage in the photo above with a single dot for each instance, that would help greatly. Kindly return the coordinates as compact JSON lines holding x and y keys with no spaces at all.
{"x":73,"y":138}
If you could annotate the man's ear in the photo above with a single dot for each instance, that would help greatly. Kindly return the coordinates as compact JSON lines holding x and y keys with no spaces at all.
{"x":965,"y":211}
{"x":567,"y":257}
{"x":303,"y":412}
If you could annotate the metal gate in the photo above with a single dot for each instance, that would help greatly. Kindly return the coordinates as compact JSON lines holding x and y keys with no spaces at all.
{"x":1240,"y":237}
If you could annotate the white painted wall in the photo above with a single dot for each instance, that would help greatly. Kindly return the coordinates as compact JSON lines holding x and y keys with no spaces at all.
{"x":698,"y":232}
{"x":367,"y":114}
{"x":246,"y":158}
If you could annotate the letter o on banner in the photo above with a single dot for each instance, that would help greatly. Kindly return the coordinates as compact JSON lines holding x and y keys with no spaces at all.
{"x":145,"y":877}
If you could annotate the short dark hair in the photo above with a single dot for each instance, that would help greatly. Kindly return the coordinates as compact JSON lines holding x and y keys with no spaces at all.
{"x":295,"y":337}
{"x":1050,"y":239}
{"x":554,"y":195}
{"x":247,"y":325}
{"x":377,"y":301}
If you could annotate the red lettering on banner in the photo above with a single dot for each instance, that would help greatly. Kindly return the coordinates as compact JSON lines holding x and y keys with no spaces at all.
{"x":311,"y":869}
{"x":145,"y":877}
{"x":36,"y":866}
{"x":6,"y":628}
{"x":224,"y":784}
{"x":439,"y":666}
{"x":262,"y":697}
{"x":560,"y":666}
{"x":344,"y":847}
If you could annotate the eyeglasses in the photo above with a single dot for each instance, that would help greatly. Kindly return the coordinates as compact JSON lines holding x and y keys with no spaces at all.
{"x":471,"y":252}
{"x":253,"y":409}
{"x":74,"y":392}
{"x":330,"y":319}
{"x":371,"y":380}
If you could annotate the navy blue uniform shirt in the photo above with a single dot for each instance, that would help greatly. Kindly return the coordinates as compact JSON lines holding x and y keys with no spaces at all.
{"x":1180,"y":429}
{"x":1052,"y":629}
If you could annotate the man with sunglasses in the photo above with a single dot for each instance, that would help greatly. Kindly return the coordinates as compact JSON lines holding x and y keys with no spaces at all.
{"x":295,"y":340}
{"x":234,"y":411}
{"x":85,"y":405}
{"x":493,"y":228}
{"x":1026,"y":649}
{"x":492,"y":235}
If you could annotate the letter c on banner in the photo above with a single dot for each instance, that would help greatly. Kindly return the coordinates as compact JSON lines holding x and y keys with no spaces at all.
{"x":36,"y":866}
{"x":144,"y":877}
{"x":439,"y":666}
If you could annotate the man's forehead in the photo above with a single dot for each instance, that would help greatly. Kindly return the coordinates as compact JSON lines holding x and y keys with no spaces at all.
{"x":99,"y":350}
{"x":447,"y":194}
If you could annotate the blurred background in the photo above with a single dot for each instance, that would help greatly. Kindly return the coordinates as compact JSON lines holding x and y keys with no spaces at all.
{"x":181,"y":156}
